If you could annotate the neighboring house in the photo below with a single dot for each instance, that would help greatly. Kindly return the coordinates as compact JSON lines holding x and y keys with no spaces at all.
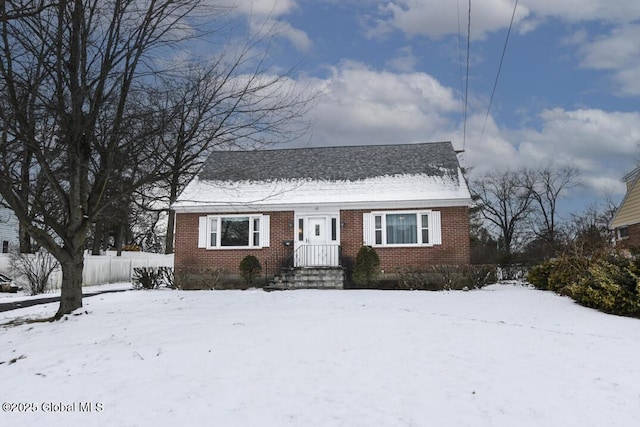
{"x":626,"y":221}
{"x":315,"y":207}
{"x":8,"y":229}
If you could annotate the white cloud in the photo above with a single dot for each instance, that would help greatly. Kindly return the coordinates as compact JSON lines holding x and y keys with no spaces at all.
{"x":265,"y":17}
{"x":613,"y":51}
{"x":586,"y":10}
{"x":602,"y":144}
{"x":270,"y":8}
{"x":435,"y":18}
{"x":298,"y":38}
{"x":405,"y":61}
{"x":359,"y":105}
{"x":619,"y":52}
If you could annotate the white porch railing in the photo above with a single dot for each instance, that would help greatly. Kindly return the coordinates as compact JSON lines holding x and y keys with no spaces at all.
{"x":317,"y":256}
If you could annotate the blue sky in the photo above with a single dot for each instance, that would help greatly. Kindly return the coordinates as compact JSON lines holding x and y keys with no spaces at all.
{"x":391,"y":72}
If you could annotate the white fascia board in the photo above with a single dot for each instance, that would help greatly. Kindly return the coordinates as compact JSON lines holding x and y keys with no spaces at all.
{"x":325,"y":207}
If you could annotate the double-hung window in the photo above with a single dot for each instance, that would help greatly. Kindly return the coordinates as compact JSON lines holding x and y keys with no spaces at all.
{"x":234,"y":231}
{"x":410,"y":228}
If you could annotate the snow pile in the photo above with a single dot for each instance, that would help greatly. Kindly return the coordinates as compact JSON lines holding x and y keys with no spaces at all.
{"x":501,"y":356}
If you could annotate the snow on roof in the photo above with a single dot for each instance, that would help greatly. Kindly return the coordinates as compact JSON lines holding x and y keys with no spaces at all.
{"x":417,"y":175}
{"x":419,"y":189}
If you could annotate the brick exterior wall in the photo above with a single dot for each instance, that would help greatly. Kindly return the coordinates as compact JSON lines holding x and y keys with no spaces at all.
{"x":633,"y":237}
{"x":455,"y":248}
{"x":188,"y":255}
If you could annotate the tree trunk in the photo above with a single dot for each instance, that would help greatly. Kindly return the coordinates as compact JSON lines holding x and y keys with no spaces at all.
{"x":71,"y":292}
{"x":97,"y":237}
{"x":120,"y":239}
{"x":171,"y":223}
{"x":24,"y":239}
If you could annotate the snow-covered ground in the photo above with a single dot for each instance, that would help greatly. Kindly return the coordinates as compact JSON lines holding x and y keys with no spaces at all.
{"x":23,"y":295}
{"x":500,"y":356}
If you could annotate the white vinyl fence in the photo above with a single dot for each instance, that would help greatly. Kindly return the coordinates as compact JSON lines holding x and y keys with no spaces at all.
{"x":101,"y":269}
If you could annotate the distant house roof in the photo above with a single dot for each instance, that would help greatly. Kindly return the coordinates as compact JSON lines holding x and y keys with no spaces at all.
{"x":351,"y":175}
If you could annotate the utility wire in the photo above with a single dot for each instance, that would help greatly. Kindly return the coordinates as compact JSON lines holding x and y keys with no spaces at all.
{"x":495,"y":84}
{"x":460,"y":58}
{"x":466,"y":91}
{"x":460,"y":66}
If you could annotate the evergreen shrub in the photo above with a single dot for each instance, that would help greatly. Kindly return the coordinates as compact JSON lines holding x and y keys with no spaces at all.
{"x":367,"y":266}
{"x":609,"y":282}
{"x":146,"y":278}
{"x":250,"y":268}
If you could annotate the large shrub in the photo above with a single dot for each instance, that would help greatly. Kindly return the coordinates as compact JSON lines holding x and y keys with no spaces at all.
{"x":367,"y":267}
{"x":250,"y":268}
{"x":538,"y":275}
{"x":609,"y":282}
{"x":612,"y":285}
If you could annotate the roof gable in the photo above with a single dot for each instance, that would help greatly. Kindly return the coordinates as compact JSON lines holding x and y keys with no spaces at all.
{"x":628,"y":212}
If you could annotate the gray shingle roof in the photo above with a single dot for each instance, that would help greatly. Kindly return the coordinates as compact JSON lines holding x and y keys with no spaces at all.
{"x":350,"y":163}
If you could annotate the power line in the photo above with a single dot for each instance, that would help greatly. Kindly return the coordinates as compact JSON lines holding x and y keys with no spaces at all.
{"x":461,"y":69}
{"x":466,"y":91}
{"x":495,"y":84}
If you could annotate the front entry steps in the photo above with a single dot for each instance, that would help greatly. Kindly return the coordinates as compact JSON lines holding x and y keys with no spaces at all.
{"x":308,"y":278}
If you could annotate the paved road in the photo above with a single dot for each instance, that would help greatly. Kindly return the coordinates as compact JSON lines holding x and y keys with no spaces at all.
{"x":12,"y":305}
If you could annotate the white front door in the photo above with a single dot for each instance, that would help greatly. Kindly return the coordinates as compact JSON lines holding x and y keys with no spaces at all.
{"x":317,"y":229}
{"x":316,"y":252}
{"x":316,"y":245}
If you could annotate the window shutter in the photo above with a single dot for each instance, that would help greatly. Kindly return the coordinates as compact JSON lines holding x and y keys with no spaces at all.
{"x":264,"y":231}
{"x":202,"y":232}
{"x":368,"y":233}
{"x":435,"y":229}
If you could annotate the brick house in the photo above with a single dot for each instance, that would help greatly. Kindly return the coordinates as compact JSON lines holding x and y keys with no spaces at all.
{"x":315,"y":207}
{"x":626,"y":221}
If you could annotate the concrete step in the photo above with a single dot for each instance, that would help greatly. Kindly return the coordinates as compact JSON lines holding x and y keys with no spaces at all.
{"x":309,"y":278}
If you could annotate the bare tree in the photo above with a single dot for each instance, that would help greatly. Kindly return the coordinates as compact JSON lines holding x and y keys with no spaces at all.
{"x":547,"y":186}
{"x":36,"y":268}
{"x":505,"y":199}
{"x":92,"y":113}
{"x":72,"y":73}
{"x":231,"y":101}
{"x":590,"y":231}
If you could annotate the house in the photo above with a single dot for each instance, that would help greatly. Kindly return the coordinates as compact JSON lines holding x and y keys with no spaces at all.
{"x":626,"y":221}
{"x":8,"y":229}
{"x":312,"y":208}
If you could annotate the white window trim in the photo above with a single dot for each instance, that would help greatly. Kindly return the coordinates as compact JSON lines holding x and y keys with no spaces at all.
{"x":433,"y":229}
{"x":263,"y":231}
{"x":618,"y":232}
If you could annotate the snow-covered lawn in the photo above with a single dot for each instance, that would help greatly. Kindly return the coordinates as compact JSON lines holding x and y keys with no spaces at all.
{"x":7,"y":297}
{"x":500,"y":356}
